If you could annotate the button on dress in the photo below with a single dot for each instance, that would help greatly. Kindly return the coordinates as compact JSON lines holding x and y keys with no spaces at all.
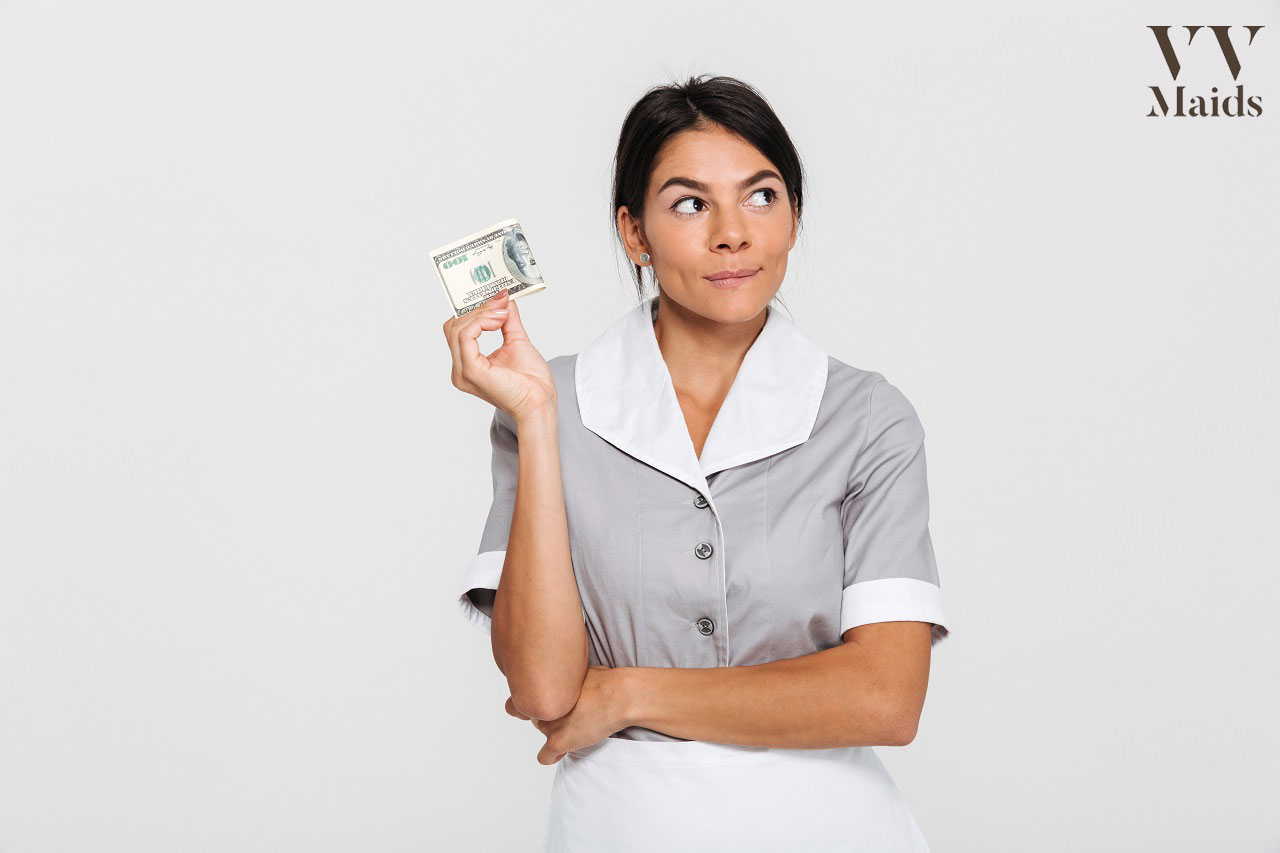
{"x":806,"y":515}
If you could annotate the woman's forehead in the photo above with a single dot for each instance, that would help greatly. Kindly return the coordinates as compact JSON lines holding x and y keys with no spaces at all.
{"x":710,"y":158}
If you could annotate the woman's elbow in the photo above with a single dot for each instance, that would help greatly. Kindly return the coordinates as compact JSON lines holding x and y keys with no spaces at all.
{"x":544,"y":685}
{"x":546,"y":703}
{"x":900,"y":724}
{"x":902,"y":735}
{"x":545,"y":691}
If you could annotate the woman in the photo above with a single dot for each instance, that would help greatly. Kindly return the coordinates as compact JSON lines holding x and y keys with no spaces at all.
{"x":717,"y":586}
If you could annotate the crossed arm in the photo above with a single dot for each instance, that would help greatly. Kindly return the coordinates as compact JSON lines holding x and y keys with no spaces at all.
{"x":868,"y":691}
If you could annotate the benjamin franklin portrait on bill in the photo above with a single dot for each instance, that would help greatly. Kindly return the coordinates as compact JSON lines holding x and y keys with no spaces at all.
{"x":519,"y":257}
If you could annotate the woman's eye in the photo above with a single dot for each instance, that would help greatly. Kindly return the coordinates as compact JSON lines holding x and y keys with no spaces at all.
{"x":683,"y":208}
{"x":677,"y":206}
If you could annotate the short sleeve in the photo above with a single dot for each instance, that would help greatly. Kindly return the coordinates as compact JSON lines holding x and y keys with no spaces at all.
{"x":890,"y":574}
{"x":480,"y":582}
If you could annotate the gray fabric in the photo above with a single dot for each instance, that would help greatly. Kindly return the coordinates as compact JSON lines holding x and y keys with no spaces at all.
{"x":846,"y":506}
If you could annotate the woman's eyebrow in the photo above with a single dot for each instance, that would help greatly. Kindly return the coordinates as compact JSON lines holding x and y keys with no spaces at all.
{"x":701,"y":187}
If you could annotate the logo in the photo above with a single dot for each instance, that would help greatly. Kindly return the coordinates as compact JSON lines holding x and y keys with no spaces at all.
{"x":1183,"y":102}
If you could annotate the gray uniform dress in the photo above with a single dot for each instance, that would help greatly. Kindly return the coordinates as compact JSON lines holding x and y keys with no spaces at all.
{"x":806,"y":515}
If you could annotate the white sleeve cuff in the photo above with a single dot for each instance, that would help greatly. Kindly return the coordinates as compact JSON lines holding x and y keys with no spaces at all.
{"x":893,"y":600}
{"x":483,"y":573}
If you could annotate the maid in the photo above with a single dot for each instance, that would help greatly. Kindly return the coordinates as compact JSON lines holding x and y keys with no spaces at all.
{"x":706,"y":571}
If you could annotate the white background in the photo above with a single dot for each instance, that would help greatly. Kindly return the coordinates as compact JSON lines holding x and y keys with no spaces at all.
{"x":238,"y":490}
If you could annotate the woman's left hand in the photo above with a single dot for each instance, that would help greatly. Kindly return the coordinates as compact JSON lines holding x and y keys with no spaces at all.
{"x":600,"y":712}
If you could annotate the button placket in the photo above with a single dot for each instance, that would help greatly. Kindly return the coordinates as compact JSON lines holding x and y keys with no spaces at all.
{"x":704,"y":551}
{"x":721,"y":637}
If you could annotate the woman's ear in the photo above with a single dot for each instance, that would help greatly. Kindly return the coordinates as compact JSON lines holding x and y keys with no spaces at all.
{"x":632,"y":233}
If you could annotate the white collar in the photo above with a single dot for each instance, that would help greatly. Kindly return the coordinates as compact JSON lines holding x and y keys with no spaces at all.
{"x":625,"y":396}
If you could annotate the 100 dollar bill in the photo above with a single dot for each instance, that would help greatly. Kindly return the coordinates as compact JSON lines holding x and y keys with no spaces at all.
{"x":477,"y":266}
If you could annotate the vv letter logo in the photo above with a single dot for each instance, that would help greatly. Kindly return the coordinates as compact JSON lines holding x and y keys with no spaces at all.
{"x":1185,"y":103}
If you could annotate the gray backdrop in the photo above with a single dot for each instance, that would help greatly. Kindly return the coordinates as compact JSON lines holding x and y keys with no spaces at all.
{"x":238,"y":489}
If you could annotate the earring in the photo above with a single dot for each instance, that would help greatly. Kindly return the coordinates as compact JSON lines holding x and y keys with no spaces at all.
{"x":644,"y":257}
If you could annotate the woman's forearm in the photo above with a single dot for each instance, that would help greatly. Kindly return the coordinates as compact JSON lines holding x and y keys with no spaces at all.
{"x":830,"y":698}
{"x":539,"y":639}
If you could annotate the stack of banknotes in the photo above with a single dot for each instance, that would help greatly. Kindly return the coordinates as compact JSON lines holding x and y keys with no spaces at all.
{"x":475,"y":267}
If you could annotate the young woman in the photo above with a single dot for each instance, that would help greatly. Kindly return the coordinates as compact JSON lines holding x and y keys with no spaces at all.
{"x":707,"y":570}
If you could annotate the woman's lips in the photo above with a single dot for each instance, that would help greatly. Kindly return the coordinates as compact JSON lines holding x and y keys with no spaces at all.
{"x":731,"y":279}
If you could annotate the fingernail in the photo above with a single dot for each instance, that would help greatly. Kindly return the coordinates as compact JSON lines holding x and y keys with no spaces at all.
{"x":497,"y":312}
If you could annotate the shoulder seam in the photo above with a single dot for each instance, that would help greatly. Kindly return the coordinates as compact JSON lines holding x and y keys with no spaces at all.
{"x":866,"y":435}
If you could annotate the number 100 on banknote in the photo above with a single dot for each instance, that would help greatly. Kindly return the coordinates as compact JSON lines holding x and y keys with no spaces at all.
{"x":477,"y":266}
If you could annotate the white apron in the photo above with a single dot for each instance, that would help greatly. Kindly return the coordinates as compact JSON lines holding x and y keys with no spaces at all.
{"x":625,"y":795}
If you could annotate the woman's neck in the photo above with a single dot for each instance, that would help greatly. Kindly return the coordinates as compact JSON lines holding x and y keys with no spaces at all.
{"x":703,"y":356}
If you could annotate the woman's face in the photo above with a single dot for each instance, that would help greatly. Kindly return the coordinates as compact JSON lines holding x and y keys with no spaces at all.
{"x":714,"y":204}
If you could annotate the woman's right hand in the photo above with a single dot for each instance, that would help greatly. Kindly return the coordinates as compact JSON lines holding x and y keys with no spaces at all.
{"x":514,"y":377}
